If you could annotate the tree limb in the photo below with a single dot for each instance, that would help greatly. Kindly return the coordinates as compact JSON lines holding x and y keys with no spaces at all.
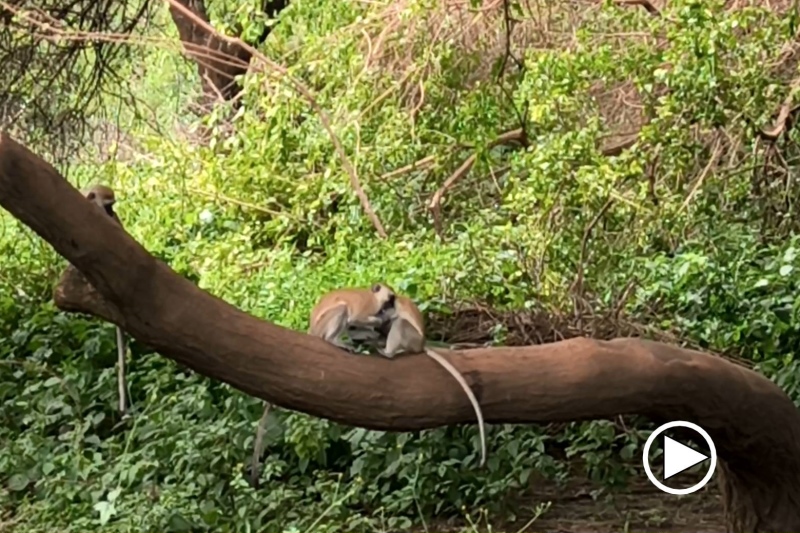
{"x":755,"y":425}
{"x":217,"y":76}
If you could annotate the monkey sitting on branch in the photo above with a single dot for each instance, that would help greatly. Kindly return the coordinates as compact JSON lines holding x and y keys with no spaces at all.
{"x":404,"y":332}
{"x":377,"y":317}
{"x":356,"y":313}
{"x":103,"y":197}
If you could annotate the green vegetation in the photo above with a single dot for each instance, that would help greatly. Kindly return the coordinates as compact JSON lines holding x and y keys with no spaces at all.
{"x":691,"y":232}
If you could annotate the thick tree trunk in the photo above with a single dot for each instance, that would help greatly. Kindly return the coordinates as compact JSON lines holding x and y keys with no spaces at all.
{"x":755,"y":426}
{"x":218,"y":62}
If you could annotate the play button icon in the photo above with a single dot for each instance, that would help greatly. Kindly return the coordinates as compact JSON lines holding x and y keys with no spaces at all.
{"x":679,"y":457}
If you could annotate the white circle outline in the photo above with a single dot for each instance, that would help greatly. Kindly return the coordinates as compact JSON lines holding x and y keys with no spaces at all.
{"x":646,"y":458}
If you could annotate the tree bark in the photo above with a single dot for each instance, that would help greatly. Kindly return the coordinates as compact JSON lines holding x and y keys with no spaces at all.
{"x":218,"y":61}
{"x":755,"y":426}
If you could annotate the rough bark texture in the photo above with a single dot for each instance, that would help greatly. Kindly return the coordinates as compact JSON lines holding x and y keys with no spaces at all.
{"x":755,"y":426}
{"x":218,"y":61}
{"x":74,"y":293}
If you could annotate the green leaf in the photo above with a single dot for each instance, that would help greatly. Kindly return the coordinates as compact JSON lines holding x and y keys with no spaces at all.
{"x":106,"y":510}
{"x":18,"y":482}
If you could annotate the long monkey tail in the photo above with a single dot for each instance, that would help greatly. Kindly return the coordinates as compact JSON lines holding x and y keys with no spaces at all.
{"x":122,"y":385}
{"x":258,"y":447}
{"x":471,"y":395}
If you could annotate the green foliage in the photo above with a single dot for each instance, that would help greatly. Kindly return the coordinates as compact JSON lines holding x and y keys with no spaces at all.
{"x":264,"y":216}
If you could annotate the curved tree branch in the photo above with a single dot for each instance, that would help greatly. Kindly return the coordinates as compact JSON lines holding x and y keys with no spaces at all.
{"x":755,"y":426}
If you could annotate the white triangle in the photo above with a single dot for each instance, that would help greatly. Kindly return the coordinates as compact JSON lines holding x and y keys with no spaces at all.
{"x":678,"y":457}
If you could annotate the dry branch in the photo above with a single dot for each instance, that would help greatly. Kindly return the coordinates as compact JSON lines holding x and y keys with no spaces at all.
{"x":783,"y":123}
{"x":650,"y":8}
{"x":619,"y":147}
{"x":754,"y":424}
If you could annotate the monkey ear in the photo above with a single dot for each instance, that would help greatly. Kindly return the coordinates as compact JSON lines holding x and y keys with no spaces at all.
{"x":90,"y":196}
{"x":376,"y":287}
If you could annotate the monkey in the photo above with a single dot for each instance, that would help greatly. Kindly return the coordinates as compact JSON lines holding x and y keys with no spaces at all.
{"x":405,"y":333}
{"x":103,"y":197}
{"x":357,"y":312}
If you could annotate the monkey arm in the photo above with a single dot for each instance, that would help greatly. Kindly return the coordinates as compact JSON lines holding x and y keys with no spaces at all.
{"x":366,"y":322}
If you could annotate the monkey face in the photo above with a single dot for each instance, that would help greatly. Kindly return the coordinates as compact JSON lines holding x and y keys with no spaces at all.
{"x":385,"y":296}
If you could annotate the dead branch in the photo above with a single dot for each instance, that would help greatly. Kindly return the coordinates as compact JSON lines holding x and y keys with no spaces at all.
{"x":577,"y":285}
{"x":716,"y":152}
{"x":616,"y":149}
{"x":423,"y":163}
{"x":755,"y":425}
{"x":643,"y":3}
{"x":786,"y":115}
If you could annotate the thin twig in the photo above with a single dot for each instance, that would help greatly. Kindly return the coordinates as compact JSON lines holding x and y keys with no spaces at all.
{"x":416,"y":165}
{"x":578,"y":285}
{"x":716,"y":152}
{"x":248,"y":205}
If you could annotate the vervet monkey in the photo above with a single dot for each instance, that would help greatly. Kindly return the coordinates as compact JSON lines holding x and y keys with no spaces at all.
{"x":357,"y":312}
{"x":103,"y":197}
{"x":405,"y":332}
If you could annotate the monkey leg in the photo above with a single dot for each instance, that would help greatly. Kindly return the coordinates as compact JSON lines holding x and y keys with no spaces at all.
{"x":402,"y":338}
{"x":394,"y":341}
{"x":331,"y":325}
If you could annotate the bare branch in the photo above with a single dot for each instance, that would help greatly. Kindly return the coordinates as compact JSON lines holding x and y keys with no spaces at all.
{"x":643,"y":3}
{"x":786,"y":115}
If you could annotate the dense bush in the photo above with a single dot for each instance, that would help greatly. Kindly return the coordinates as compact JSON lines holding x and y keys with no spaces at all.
{"x":697,"y":215}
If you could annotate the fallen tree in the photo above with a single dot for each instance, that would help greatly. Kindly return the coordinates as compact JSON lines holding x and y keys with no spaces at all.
{"x":755,"y":426}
